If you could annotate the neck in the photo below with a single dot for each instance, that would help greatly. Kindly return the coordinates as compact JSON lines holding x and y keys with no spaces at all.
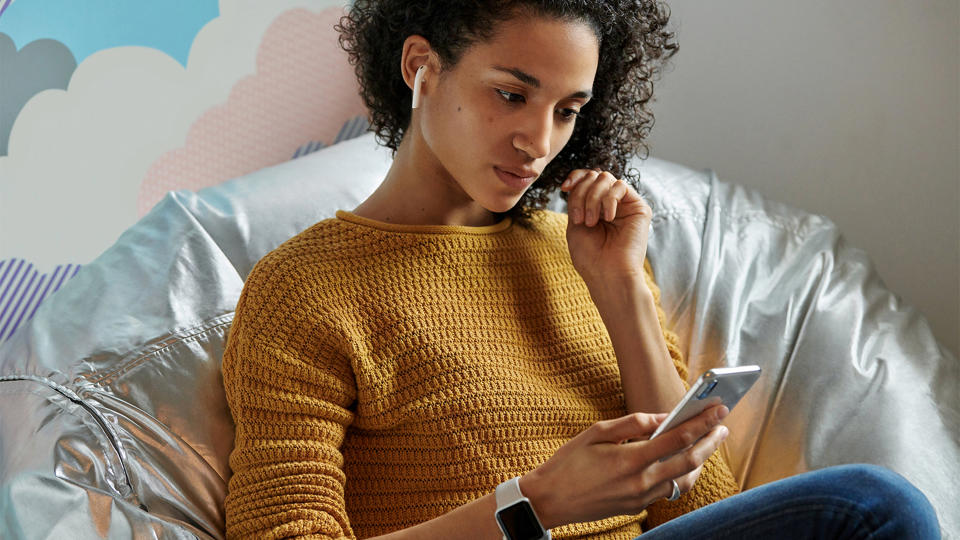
{"x":418,"y":190}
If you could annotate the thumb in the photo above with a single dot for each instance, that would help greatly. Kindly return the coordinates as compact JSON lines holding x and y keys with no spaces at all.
{"x":631,"y":426}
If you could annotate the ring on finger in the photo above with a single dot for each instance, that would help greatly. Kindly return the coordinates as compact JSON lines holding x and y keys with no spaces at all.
{"x":676,"y":492}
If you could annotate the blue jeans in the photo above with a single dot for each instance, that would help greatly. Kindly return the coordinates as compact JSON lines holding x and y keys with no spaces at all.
{"x":848,"y":501}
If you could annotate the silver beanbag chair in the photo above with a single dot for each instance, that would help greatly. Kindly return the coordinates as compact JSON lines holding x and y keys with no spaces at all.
{"x":113,"y":422}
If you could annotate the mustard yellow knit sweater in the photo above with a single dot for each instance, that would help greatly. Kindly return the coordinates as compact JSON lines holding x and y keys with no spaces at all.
{"x":381,"y":375}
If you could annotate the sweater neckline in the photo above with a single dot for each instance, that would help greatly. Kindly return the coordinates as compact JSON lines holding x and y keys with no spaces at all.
{"x":350,"y":217}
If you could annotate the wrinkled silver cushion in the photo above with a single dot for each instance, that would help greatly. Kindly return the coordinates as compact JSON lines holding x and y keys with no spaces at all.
{"x":112,"y":416}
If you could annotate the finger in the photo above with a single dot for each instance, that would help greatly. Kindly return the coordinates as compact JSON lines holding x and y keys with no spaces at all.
{"x":633,"y":201}
{"x":612,"y":198}
{"x":595,"y":194}
{"x":687,"y":481}
{"x":573,"y":178}
{"x":666,"y":488}
{"x":693,"y":457}
{"x":576,"y":199}
{"x":631,"y":426}
{"x":687,"y":433}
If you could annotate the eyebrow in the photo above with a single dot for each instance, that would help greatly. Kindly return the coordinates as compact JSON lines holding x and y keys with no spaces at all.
{"x":527,"y":78}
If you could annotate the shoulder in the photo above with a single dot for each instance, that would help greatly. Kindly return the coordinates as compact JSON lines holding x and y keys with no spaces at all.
{"x":320,"y":247}
{"x":295,"y":289}
{"x":554,"y":224}
{"x":553,"y":218}
{"x":548,"y":222}
{"x":273,"y":268}
{"x":309,"y":264}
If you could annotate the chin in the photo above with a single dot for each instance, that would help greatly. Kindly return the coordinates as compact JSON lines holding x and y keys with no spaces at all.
{"x":501,"y":207}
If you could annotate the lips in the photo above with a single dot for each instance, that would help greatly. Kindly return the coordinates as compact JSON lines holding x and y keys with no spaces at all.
{"x":516,"y":178}
{"x":521,"y":172}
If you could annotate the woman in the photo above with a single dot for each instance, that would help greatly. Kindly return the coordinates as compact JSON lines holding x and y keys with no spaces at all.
{"x":449,"y":360}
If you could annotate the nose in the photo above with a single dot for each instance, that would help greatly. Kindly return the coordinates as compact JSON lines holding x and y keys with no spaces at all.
{"x":533,"y":137}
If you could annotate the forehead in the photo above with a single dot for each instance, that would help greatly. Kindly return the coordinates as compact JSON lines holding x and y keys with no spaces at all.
{"x":560,"y":53}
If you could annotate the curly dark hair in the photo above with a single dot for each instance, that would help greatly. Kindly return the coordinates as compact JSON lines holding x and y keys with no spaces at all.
{"x":634,"y":45}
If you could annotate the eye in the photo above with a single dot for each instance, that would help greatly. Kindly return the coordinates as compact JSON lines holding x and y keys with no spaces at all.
{"x":569,"y":114}
{"x":510,"y":96}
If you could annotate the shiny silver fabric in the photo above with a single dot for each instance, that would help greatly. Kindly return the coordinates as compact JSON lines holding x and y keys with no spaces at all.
{"x":850,"y":372}
{"x":113,"y":422}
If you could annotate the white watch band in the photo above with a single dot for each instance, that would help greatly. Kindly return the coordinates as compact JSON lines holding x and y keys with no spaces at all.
{"x":508,"y":493}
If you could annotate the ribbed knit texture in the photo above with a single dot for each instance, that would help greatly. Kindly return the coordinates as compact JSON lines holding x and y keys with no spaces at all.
{"x":382,"y":375}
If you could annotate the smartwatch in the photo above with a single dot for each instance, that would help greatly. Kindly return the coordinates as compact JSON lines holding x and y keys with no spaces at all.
{"x":515,"y":514}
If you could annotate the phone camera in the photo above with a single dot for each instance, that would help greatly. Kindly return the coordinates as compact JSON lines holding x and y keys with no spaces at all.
{"x":707,"y":390}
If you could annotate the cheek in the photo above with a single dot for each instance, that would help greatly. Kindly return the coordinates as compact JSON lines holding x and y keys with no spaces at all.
{"x":560,"y":140}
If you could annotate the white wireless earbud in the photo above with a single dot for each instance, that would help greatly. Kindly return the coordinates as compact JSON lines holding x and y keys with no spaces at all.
{"x":416,"y":85}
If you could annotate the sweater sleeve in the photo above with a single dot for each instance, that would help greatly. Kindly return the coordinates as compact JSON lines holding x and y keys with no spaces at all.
{"x":716,"y":481}
{"x":289,"y":386}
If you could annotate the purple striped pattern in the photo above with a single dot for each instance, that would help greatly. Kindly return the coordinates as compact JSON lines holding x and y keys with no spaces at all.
{"x":353,"y":127}
{"x":22,"y":289}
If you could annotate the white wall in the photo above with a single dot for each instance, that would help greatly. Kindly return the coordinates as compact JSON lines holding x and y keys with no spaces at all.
{"x":847,"y":109}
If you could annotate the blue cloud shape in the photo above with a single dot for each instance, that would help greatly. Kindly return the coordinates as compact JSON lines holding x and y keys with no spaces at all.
{"x":92,"y":25}
{"x":40,"y":65}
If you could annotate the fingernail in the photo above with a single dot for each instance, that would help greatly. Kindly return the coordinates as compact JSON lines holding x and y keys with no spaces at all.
{"x":722,"y":412}
{"x":589,"y":216}
{"x":576,"y":216}
{"x":723,"y":432}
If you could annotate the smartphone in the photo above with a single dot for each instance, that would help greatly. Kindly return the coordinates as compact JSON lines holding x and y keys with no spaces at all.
{"x":718,"y":385}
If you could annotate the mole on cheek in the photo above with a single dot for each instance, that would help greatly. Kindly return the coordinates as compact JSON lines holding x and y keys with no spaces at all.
{"x":458,"y":108}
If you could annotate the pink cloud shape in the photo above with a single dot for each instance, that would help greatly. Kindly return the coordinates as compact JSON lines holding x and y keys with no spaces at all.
{"x":304,"y":90}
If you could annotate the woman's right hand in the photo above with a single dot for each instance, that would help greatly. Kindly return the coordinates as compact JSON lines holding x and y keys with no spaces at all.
{"x":597,"y":474}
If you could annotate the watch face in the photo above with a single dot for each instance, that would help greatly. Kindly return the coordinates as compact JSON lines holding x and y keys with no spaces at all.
{"x":519,"y":522}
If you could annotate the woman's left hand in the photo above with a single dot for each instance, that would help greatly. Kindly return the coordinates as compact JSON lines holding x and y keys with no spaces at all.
{"x":608,"y":225}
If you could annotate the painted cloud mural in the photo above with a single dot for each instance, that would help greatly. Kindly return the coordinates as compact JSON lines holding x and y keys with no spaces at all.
{"x":95,"y":129}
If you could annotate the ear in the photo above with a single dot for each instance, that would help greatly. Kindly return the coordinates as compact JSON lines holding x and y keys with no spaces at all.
{"x":417,"y":52}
